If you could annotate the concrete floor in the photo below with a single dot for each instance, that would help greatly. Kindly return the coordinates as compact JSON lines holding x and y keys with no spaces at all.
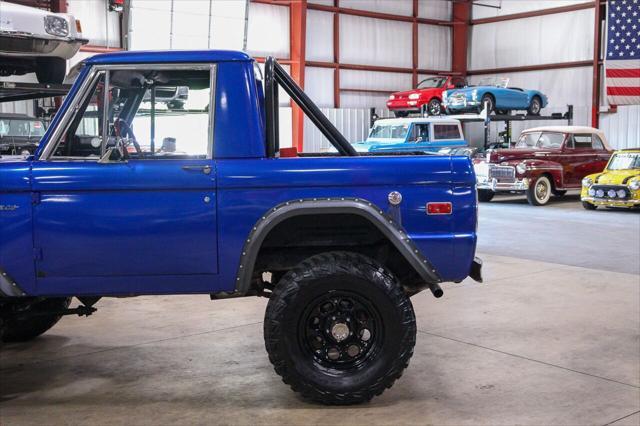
{"x":552,"y":337}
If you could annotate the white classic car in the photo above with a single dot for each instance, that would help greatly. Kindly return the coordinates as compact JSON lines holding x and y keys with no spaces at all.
{"x":35,"y":40}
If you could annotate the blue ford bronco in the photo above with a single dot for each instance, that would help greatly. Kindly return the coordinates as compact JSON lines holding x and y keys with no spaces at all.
{"x":126,"y":197}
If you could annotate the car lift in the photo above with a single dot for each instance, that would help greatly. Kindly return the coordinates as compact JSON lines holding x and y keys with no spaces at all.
{"x":507,"y":119}
{"x":14,"y":92}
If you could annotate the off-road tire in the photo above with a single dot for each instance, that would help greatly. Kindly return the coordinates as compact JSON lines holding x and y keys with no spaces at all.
{"x":535,"y":197}
{"x":339,"y":272}
{"x":589,"y":206}
{"x":50,"y":70}
{"x":485,"y":195}
{"x":22,"y":330}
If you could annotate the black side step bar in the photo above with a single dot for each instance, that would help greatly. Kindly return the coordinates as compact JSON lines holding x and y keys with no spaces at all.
{"x":276,"y":75}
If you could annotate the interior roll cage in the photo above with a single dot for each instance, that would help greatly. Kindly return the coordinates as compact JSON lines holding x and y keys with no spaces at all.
{"x":276,"y":76}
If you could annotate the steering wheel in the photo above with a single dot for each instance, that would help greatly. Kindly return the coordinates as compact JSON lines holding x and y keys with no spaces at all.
{"x":122,"y":128}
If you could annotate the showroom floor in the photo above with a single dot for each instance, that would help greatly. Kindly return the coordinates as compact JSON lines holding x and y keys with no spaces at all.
{"x":552,"y":337}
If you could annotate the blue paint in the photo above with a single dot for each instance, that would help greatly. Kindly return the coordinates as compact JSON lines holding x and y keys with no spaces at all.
{"x":505,"y":98}
{"x":151,"y":227}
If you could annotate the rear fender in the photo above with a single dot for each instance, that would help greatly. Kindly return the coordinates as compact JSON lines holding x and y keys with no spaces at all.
{"x":536,"y":168}
{"x":316,"y":206}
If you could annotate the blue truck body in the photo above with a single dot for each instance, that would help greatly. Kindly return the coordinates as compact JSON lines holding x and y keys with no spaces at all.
{"x":149,"y":220}
{"x":338,"y":243}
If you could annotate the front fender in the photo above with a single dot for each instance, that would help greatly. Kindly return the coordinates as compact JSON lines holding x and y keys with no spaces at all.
{"x":317,"y":206}
{"x":537,"y":167}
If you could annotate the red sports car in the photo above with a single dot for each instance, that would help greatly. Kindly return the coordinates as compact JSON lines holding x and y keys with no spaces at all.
{"x":429,"y":93}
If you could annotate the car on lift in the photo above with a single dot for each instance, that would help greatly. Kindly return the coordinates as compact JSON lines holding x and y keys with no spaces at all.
{"x":426,"y":134}
{"x":497,"y":96}
{"x":337,"y":242}
{"x":36,"y":40}
{"x":545,"y":161}
{"x":20,"y":134}
{"x":426,"y":97}
{"x":618,"y":185}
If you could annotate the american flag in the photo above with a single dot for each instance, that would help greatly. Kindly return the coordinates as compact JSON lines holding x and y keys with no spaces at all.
{"x":622,"y":57}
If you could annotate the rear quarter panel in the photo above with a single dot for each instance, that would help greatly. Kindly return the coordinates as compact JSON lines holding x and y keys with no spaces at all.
{"x":249,"y":188}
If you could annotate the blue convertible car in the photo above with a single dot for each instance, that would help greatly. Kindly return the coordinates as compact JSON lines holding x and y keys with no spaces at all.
{"x":497,"y":96}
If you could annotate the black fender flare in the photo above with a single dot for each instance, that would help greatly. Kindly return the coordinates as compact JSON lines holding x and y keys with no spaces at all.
{"x":389,"y":227}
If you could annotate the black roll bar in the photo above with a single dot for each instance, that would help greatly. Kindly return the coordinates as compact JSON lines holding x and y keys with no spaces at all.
{"x":276,"y":75}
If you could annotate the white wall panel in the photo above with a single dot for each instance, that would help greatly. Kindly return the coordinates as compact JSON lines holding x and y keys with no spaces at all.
{"x":228,"y":24}
{"x":562,"y":37}
{"x":375,"y":80}
{"x":191,"y":24}
{"x":319,"y":36}
{"x":623,"y":127}
{"x":394,"y":7}
{"x":318,"y":84}
{"x":268,"y":31}
{"x":434,"y":47}
{"x":375,"y":41}
{"x":435,"y":9}
{"x":100,"y":26}
{"x":507,"y":7}
{"x":150,"y":25}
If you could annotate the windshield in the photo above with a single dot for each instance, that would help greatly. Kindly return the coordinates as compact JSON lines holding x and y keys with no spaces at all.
{"x":625,"y":161}
{"x":389,"y":131}
{"x":540,"y":140}
{"x":21,"y":128}
{"x":432,"y":82}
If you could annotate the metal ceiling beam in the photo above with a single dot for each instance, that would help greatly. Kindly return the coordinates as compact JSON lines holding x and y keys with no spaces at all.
{"x":533,"y":13}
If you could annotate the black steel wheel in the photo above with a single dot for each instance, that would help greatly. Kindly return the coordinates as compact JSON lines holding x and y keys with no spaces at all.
{"x":339,"y":329}
{"x":23,"y":321}
{"x":434,"y":107}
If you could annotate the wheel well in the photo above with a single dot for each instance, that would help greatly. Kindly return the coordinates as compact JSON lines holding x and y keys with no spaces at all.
{"x":300,"y":237}
{"x":537,"y":96}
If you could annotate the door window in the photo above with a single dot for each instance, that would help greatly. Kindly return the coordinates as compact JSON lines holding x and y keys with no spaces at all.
{"x":419,"y":133}
{"x":149,"y":113}
{"x":597,"y":143}
{"x":582,"y":142}
{"x":446,"y":131}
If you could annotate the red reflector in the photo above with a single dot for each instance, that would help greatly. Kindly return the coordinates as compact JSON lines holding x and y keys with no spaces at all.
{"x":288,"y":152}
{"x":439,"y":208}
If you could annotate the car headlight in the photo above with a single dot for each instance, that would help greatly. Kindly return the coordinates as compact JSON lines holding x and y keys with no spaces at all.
{"x":634,"y":184}
{"x":622,"y":193}
{"x":587,"y":182}
{"x":392,"y":97}
{"x":521,"y":168}
{"x":414,"y":96}
{"x":55,"y":25}
{"x":474,"y":94}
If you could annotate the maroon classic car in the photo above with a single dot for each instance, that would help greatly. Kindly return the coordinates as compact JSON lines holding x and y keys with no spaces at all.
{"x":427,"y":95}
{"x":544,"y":161}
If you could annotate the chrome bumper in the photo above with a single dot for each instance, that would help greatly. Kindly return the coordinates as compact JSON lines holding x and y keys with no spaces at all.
{"x":494,"y":185}
{"x":611,"y":202}
{"x":22,"y":44}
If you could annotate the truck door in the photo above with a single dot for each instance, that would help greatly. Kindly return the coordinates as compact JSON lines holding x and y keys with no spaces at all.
{"x":127,"y":185}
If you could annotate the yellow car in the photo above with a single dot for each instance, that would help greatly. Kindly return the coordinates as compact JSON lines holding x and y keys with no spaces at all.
{"x":617,"y":186}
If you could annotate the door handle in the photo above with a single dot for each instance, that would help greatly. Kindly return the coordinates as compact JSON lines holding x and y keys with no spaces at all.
{"x":206,"y":169}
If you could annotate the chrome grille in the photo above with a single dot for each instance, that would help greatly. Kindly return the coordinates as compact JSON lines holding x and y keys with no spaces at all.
{"x":502,"y":173}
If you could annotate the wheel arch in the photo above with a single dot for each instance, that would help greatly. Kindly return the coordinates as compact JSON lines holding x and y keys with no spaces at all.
{"x":392,"y":231}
